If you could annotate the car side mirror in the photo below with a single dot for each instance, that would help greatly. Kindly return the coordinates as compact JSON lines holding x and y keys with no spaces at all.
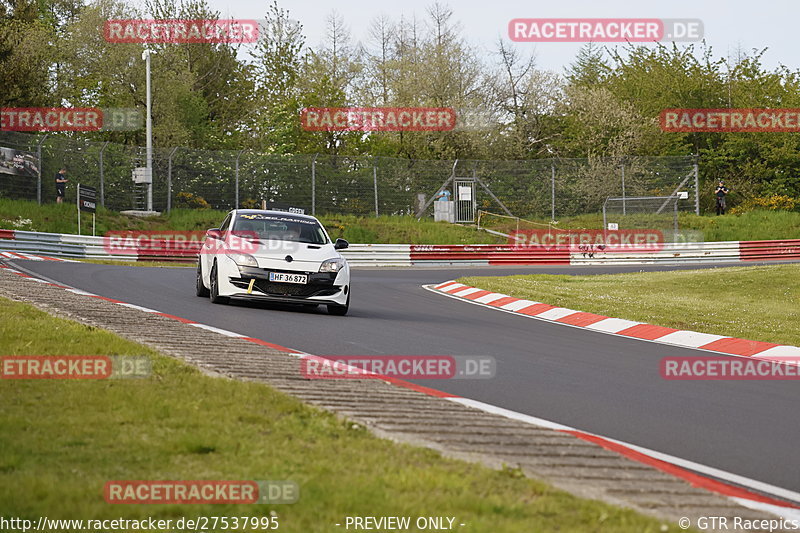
{"x":214,"y":233}
{"x":340,"y":244}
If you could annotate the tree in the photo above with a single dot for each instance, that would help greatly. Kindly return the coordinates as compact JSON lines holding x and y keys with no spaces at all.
{"x":589,"y":68}
{"x":522,"y":98}
{"x":26,"y":54}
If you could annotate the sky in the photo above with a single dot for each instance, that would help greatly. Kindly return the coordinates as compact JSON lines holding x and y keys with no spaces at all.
{"x":728,"y":25}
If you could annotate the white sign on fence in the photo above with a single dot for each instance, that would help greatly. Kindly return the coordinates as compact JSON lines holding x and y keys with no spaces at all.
{"x":142,"y":175}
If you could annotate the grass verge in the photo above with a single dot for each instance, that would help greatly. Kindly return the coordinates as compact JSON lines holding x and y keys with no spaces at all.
{"x":757,"y":303}
{"x":750,"y":226}
{"x":62,"y":218}
{"x":55,"y":218}
{"x":62,"y":440}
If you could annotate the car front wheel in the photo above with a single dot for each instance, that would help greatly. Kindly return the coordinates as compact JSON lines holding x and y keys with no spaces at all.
{"x":214,"y":291}
{"x":339,"y":310}
{"x":199,"y":288}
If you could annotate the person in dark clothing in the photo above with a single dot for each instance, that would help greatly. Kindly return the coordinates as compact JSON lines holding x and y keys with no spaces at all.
{"x":721,"y":192}
{"x":61,"y":184}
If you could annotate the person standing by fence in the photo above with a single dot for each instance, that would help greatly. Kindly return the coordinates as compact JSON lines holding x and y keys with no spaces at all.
{"x":61,"y":184}
{"x":443,"y":196}
{"x":721,"y":192}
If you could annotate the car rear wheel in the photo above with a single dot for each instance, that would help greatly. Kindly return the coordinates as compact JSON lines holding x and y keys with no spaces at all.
{"x":214,"y":291}
{"x":199,"y":288}
{"x":339,"y":310}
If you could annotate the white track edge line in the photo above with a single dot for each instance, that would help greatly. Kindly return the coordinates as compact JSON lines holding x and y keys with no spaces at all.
{"x":655,"y":454}
{"x":759,"y":486}
{"x":584,"y":328}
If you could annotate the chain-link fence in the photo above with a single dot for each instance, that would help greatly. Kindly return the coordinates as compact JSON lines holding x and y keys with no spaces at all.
{"x":324,"y":184}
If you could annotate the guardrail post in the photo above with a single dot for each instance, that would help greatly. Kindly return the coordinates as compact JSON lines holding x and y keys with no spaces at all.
{"x":102,"y":176}
{"x":169,"y":179}
{"x":39,"y":157}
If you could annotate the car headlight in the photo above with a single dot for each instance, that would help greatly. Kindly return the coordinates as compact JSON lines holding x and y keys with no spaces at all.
{"x":243,"y":259}
{"x":332,"y":265}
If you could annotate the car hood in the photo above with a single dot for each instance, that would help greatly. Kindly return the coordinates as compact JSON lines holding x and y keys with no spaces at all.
{"x":273,"y":254}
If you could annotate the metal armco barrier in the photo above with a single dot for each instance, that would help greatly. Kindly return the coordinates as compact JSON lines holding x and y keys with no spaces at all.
{"x":361,"y":255}
{"x":698,"y":252}
{"x":485,"y":254}
{"x":769,"y":250}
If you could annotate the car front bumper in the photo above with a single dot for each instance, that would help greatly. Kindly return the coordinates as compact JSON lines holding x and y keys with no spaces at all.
{"x":322,"y":287}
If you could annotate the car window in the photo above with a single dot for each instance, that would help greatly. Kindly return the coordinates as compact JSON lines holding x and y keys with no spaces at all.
{"x":226,"y":223}
{"x":280,"y":228}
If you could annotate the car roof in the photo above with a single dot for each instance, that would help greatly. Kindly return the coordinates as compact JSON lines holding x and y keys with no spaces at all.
{"x":272,"y":212}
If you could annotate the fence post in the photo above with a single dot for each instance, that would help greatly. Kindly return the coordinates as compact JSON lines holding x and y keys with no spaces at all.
{"x":39,"y":156}
{"x":314,"y":185}
{"x":169,"y":179}
{"x":375,"y":185}
{"x":102,"y":175}
{"x":624,"y":209}
{"x":696,"y":184}
{"x":552,"y":190}
{"x":675,"y":220}
{"x":236,"y":205}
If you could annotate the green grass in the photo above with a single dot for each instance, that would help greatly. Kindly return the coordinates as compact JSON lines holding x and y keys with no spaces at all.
{"x":62,"y":218}
{"x":403,"y":230}
{"x":54,"y":218}
{"x":757,"y":303}
{"x":751,"y":226}
{"x":60,"y":441}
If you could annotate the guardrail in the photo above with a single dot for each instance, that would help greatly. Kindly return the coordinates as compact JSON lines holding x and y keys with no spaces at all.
{"x":84,"y":246}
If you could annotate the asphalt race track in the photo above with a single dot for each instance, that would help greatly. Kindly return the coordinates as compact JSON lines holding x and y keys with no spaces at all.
{"x":592,"y":381}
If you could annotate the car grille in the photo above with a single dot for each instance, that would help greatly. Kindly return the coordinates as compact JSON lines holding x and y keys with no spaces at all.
{"x":288,"y":289}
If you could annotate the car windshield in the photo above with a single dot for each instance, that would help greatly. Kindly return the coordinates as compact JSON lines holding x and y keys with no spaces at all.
{"x":277,"y":227}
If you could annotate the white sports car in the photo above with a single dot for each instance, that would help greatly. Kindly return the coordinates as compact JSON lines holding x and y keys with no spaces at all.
{"x":274,"y":256}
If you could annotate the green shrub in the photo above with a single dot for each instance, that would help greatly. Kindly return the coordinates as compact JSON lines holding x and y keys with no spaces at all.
{"x":776,"y":202}
{"x":190,"y":201}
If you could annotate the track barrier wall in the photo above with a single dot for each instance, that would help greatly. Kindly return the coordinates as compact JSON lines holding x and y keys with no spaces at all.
{"x":361,"y":255}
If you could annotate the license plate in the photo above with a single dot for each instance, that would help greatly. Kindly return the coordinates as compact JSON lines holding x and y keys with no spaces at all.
{"x":283,"y":277}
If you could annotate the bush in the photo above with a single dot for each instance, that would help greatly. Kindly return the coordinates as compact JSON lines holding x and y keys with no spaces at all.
{"x":776,"y":202}
{"x":190,"y":201}
{"x":251,"y":203}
